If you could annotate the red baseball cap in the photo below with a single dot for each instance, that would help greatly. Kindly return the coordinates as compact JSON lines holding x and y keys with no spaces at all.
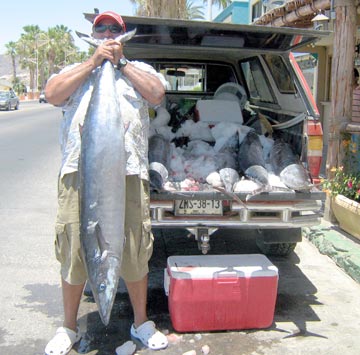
{"x":111,"y":15}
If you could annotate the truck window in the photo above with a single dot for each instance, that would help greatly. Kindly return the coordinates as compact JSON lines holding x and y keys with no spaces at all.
{"x":217,"y":75}
{"x":183,"y":78}
{"x":280,"y":73}
{"x":199,"y":77}
{"x":258,"y":85}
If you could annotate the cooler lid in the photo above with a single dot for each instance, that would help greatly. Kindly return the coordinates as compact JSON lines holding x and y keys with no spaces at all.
{"x":216,"y":266}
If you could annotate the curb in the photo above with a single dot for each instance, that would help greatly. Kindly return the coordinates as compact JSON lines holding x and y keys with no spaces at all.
{"x":338,"y":245}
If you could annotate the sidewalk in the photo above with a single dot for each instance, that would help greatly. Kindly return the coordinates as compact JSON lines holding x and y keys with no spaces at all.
{"x":338,"y":245}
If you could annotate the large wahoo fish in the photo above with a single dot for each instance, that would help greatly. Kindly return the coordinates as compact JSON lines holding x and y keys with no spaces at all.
{"x":287,"y":165}
{"x":102,"y":187}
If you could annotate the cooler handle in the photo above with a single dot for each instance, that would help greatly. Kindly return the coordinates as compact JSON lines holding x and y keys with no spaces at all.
{"x":228,"y":273}
{"x":166,"y":282}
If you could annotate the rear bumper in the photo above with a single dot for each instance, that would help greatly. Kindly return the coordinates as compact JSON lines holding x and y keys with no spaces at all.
{"x":262,"y":214}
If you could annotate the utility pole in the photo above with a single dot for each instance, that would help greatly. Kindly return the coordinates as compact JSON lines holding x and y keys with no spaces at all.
{"x":341,"y":84}
{"x":209,"y":5}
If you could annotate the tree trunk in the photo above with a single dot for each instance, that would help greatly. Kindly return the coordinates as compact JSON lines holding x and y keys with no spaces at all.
{"x":341,"y":83}
{"x":166,"y":9}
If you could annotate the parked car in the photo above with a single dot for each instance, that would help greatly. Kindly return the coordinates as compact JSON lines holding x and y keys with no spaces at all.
{"x":219,"y":73}
{"x":42,"y":97}
{"x":9,"y":100}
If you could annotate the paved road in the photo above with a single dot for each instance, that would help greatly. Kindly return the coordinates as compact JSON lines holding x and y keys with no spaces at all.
{"x":317,"y":304}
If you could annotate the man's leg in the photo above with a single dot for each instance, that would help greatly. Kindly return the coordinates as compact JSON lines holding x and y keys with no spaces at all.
{"x":143,"y":329}
{"x":71,"y":302}
{"x":138,"y":297}
{"x":136,"y":255}
{"x":67,"y":250}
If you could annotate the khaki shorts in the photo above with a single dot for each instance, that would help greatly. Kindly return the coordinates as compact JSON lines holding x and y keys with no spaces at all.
{"x":139,"y":239}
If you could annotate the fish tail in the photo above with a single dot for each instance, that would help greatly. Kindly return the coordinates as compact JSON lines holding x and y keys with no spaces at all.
{"x":232,"y":195}
{"x":126,"y":36}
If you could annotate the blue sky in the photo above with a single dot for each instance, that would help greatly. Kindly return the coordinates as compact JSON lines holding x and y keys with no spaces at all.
{"x":47,"y":13}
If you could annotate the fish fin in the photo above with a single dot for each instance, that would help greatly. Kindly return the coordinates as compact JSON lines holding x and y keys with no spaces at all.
{"x":126,"y":126}
{"x":265,"y":188}
{"x":231,"y":195}
{"x":81,"y":129}
{"x":94,"y":228}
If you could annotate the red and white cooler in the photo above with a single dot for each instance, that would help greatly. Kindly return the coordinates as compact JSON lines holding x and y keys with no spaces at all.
{"x":220,"y":292}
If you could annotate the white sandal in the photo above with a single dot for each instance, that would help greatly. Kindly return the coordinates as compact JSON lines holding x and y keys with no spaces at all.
{"x":149,"y":335}
{"x":62,"y":342}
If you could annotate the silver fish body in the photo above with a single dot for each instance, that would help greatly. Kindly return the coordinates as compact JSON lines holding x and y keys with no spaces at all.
{"x":227,"y":156}
{"x":102,"y":190}
{"x":286,"y":164}
{"x":251,"y":160}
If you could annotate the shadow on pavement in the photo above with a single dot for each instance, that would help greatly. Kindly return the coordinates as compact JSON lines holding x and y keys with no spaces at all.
{"x":296,"y":296}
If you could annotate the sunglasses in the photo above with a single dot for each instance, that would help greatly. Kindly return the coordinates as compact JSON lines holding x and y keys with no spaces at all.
{"x":112,"y":28}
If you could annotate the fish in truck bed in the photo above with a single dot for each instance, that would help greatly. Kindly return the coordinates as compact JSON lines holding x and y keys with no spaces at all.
{"x":251,"y":160}
{"x":159,"y":161}
{"x":286,"y":164}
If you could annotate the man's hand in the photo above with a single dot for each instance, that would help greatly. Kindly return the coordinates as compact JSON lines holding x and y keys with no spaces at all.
{"x":110,"y":50}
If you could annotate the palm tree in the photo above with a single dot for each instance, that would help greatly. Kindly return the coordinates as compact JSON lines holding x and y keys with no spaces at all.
{"x":180,"y":9}
{"x":221,"y":4}
{"x":11,"y":51}
{"x":27,"y":48}
{"x":60,"y":48}
{"x":194,"y":12}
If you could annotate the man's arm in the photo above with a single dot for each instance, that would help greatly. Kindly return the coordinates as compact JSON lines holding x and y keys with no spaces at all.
{"x":148,"y":85}
{"x":59,"y":88}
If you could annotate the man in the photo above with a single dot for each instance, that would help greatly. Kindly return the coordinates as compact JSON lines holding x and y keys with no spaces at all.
{"x":138,"y":85}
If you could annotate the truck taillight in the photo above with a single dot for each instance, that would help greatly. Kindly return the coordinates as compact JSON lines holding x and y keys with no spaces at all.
{"x":315,"y":147}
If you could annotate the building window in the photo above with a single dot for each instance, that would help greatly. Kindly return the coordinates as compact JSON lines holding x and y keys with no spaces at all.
{"x":257,"y":10}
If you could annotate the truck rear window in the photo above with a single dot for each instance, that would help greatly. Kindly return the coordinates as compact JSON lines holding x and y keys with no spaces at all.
{"x":199,"y":77}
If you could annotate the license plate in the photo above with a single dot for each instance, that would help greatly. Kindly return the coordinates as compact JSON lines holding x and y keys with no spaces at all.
{"x":198,"y":207}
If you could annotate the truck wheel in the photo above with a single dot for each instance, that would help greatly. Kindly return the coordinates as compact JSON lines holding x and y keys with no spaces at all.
{"x":276,"y":249}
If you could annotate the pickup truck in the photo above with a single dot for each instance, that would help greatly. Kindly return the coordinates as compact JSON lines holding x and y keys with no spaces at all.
{"x":254,"y":67}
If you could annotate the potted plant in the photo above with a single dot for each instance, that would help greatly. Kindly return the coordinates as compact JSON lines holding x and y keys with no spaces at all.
{"x":343,"y":186}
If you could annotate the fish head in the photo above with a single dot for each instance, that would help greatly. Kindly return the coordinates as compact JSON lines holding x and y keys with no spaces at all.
{"x":229,"y":177}
{"x":258,"y":174}
{"x":296,"y":177}
{"x":104,"y":284}
{"x":156,"y":180}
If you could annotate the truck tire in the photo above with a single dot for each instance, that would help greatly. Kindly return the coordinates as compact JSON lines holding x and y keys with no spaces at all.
{"x":275,"y":249}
